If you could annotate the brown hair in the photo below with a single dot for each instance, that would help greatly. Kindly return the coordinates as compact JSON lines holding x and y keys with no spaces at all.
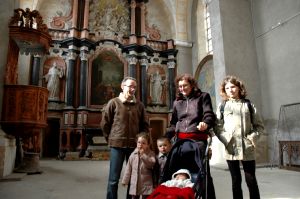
{"x":189,"y":78}
{"x":237,"y":82}
{"x":144,"y":135}
{"x":163,"y":139}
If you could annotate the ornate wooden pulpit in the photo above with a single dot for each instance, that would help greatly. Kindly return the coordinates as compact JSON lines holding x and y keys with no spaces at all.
{"x":24,"y":111}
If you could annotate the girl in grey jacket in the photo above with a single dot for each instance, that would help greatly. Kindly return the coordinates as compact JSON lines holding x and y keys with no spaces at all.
{"x":238,"y":126}
{"x":139,"y":168}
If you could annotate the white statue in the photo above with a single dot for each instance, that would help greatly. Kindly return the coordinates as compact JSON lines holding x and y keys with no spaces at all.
{"x":156,"y":88}
{"x":53,"y":80}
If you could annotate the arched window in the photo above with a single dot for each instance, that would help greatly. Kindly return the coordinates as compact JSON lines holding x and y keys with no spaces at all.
{"x":209,"y":46}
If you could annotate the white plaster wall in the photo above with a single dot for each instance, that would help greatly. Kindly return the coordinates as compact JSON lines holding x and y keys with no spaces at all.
{"x":277,"y":30}
{"x":53,"y":8}
{"x":6,"y":11}
{"x":9,"y":154}
{"x":184,"y":61}
{"x":234,"y":44}
{"x":278,"y":50}
{"x":198,"y":34}
{"x":160,"y":16}
{"x":235,"y":54}
{"x":218,"y":45}
{"x":239,"y":45}
{"x":7,"y":145}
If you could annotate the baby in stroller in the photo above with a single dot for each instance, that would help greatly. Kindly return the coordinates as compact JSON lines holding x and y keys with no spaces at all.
{"x":184,"y":156}
{"x":181,"y":179}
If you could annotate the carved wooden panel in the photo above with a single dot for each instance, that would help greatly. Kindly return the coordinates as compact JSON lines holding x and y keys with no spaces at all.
{"x":24,"y":107}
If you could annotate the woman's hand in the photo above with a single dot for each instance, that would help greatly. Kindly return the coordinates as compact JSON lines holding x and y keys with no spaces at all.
{"x":202,"y":126}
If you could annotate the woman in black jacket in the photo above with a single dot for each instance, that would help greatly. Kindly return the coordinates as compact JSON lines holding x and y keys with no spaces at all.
{"x":192,"y":117}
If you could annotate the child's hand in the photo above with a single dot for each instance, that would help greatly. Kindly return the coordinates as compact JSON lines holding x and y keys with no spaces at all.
{"x":141,"y":151}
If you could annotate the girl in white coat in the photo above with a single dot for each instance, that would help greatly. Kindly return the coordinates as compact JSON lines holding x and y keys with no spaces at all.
{"x":238,"y":127}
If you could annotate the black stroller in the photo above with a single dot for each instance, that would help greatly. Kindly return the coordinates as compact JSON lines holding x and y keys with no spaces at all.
{"x":186,"y":154}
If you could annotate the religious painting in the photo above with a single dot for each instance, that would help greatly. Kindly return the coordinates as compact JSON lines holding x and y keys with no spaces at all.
{"x":205,"y":77}
{"x":106,"y":77}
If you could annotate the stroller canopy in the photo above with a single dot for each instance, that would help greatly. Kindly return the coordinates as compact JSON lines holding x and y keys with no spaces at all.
{"x":185,"y":154}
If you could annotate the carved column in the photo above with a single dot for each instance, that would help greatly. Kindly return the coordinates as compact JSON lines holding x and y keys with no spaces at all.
{"x":143,"y":8}
{"x":132,"y":6}
{"x":85,"y":32}
{"x":132,"y":66}
{"x":70,"y":78}
{"x":132,"y":38}
{"x":73,"y":31}
{"x":83,"y":77}
{"x":35,"y":70}
{"x":171,"y":70}
{"x":144,"y":63}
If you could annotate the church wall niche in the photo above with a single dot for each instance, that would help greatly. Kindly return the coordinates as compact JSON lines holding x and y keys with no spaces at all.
{"x":156,"y":86}
{"x":59,"y":78}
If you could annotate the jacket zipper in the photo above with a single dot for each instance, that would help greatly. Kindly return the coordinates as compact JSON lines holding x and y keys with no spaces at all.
{"x":186,"y":111}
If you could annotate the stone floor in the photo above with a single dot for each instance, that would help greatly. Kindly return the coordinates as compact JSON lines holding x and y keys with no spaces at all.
{"x":88,"y":179}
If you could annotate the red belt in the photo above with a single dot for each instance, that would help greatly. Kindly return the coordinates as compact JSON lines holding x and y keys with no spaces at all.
{"x":191,"y":135}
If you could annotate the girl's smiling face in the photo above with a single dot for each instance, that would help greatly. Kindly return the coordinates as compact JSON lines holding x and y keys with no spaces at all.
{"x":232,"y":91}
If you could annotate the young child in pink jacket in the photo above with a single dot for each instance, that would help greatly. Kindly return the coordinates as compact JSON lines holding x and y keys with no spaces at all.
{"x":139,"y":169}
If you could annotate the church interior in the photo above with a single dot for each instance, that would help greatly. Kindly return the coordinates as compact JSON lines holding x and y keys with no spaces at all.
{"x":62,"y":60}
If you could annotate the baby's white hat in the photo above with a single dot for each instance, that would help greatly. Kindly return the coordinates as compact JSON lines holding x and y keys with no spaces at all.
{"x":185,"y":171}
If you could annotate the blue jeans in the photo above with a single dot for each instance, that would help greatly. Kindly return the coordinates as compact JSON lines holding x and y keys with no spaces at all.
{"x":117,"y":157}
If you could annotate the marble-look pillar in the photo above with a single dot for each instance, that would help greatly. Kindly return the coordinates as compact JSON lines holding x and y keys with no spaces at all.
{"x":83,"y":78}
{"x":35,"y":72}
{"x":132,"y":37}
{"x":171,"y":75}
{"x":143,"y":28}
{"x":144,"y":64}
{"x":85,"y":32}
{"x":73,"y":31}
{"x":132,"y":6}
{"x":70,"y":78}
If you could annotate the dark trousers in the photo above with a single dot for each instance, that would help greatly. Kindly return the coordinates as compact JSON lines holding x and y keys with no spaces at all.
{"x":210,"y":194}
{"x":236,"y":177}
